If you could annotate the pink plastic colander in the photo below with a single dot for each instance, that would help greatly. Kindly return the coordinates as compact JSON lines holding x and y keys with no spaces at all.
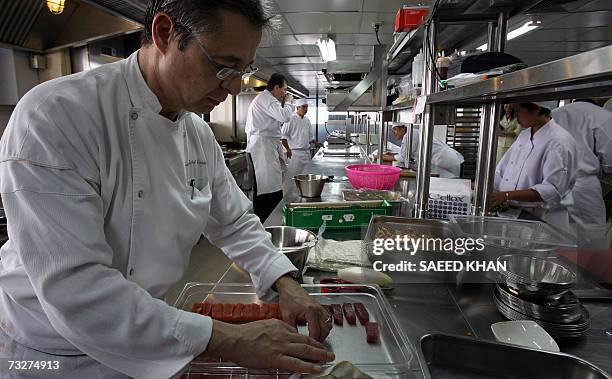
{"x":373,"y":176}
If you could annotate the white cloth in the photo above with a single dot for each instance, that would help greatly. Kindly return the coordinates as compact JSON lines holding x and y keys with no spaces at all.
{"x":547,"y":164}
{"x":263,"y":130}
{"x":102,"y":220}
{"x":442,"y":155}
{"x":301,"y":102}
{"x":591,"y":127}
{"x":297,"y":132}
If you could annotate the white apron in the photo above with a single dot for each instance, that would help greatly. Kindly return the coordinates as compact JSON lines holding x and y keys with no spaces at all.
{"x":297,"y":165}
{"x":266,"y":163}
{"x":588,"y":207}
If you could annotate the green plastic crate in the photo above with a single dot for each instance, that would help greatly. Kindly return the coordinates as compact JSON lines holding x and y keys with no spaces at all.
{"x":340,"y":215}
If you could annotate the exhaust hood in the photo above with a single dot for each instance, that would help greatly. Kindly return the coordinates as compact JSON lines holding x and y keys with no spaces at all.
{"x":28,"y":25}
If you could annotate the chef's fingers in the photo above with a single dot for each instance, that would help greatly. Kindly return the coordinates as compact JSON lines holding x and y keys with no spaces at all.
{"x":314,"y":324}
{"x":305,"y":340}
{"x":309,"y":353}
{"x":297,"y":365}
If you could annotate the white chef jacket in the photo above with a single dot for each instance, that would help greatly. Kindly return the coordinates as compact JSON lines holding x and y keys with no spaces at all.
{"x":591,"y":127}
{"x":263,"y":130}
{"x":442,"y":155}
{"x":548,"y":165}
{"x":266,"y":116}
{"x":297,"y":132}
{"x":102,"y":220}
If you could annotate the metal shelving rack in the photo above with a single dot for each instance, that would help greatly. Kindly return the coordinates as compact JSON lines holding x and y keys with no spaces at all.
{"x":462,"y":134}
{"x":588,"y":73}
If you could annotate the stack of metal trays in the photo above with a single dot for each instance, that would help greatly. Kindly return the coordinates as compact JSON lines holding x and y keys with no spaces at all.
{"x":563,"y":310}
{"x":570,"y":329}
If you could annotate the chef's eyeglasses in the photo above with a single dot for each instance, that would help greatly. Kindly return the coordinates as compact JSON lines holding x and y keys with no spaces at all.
{"x":223,"y":72}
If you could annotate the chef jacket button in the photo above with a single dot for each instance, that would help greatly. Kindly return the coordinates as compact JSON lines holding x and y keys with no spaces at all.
{"x":141,"y":194}
{"x":131,"y":272}
{"x":134,"y":115}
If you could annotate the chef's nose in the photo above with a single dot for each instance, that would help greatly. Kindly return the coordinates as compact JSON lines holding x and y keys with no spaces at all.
{"x":232,"y":85}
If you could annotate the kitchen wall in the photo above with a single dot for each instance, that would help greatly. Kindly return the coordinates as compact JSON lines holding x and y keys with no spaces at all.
{"x":16,"y":79}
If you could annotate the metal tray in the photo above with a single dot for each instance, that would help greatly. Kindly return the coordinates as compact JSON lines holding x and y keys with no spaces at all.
{"x":391,"y":357}
{"x":370,"y":194}
{"x":454,"y":357}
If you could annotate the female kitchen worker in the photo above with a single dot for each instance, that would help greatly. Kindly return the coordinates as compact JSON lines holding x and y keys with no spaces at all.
{"x":539,"y":169}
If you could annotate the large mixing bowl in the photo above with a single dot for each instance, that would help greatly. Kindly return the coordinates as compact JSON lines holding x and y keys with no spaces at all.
{"x":310,"y":185}
{"x":535,"y":277}
{"x":294,"y":243}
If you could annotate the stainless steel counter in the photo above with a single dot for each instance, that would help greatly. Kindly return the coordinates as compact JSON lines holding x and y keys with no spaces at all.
{"x":468,"y":310}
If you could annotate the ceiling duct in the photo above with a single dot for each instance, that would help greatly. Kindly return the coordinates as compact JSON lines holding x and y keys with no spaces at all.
{"x":550,"y":6}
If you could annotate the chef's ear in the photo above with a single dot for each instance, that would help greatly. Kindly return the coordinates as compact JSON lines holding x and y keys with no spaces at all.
{"x":162,"y":30}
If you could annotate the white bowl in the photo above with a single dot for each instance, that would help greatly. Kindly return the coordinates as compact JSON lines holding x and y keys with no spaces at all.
{"x":524,"y":333}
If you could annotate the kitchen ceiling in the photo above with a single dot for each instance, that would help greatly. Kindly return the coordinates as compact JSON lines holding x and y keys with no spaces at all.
{"x":568,"y":27}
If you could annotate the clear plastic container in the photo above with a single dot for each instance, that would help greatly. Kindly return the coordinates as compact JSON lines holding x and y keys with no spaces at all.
{"x":526,"y":236}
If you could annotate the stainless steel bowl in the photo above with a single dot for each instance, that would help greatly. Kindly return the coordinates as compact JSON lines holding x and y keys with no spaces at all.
{"x":310,"y":185}
{"x":295,"y":243}
{"x":535,"y":277}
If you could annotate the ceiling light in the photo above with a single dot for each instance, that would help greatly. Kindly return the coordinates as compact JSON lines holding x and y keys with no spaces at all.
{"x":327,"y":46}
{"x":526,"y":28}
{"x":56,"y":6}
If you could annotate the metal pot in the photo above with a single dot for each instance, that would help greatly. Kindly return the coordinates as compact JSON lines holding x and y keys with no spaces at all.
{"x":294,"y":243}
{"x":310,"y":185}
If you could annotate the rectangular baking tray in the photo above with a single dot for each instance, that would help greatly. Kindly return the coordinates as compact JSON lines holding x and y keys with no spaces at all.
{"x":391,"y":357}
{"x":455,"y":357}
{"x":389,"y":227}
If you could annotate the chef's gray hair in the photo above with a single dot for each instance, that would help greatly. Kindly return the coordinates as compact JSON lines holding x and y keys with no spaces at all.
{"x":202,"y":16}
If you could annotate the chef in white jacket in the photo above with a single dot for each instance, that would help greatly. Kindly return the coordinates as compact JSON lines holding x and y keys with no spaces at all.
{"x":591,"y":127}
{"x":442,"y":155}
{"x":296,"y":138}
{"x":108,"y":181}
{"x":265,"y":117}
{"x":539,"y":170}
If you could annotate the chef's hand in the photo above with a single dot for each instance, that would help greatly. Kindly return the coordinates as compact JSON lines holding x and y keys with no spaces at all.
{"x":266,"y":344}
{"x":289,"y":153}
{"x":294,"y":301}
{"x":288,"y":98}
{"x":496,"y":199}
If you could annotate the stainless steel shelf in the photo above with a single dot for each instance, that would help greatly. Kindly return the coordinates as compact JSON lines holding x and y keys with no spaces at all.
{"x":584,"y":74}
{"x":405,"y":48}
{"x":392,"y":108}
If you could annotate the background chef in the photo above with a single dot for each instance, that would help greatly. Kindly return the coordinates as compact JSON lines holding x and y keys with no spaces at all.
{"x":266,"y":114}
{"x":108,"y":180}
{"x":540,"y":168}
{"x":297,"y":140}
{"x":591,"y":126}
{"x":442,"y":155}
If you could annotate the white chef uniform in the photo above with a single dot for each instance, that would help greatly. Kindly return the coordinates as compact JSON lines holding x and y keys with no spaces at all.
{"x":591,"y":127}
{"x":442,"y":155}
{"x":105,"y":199}
{"x":548,"y":165}
{"x":297,"y":132}
{"x":263,"y":130}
